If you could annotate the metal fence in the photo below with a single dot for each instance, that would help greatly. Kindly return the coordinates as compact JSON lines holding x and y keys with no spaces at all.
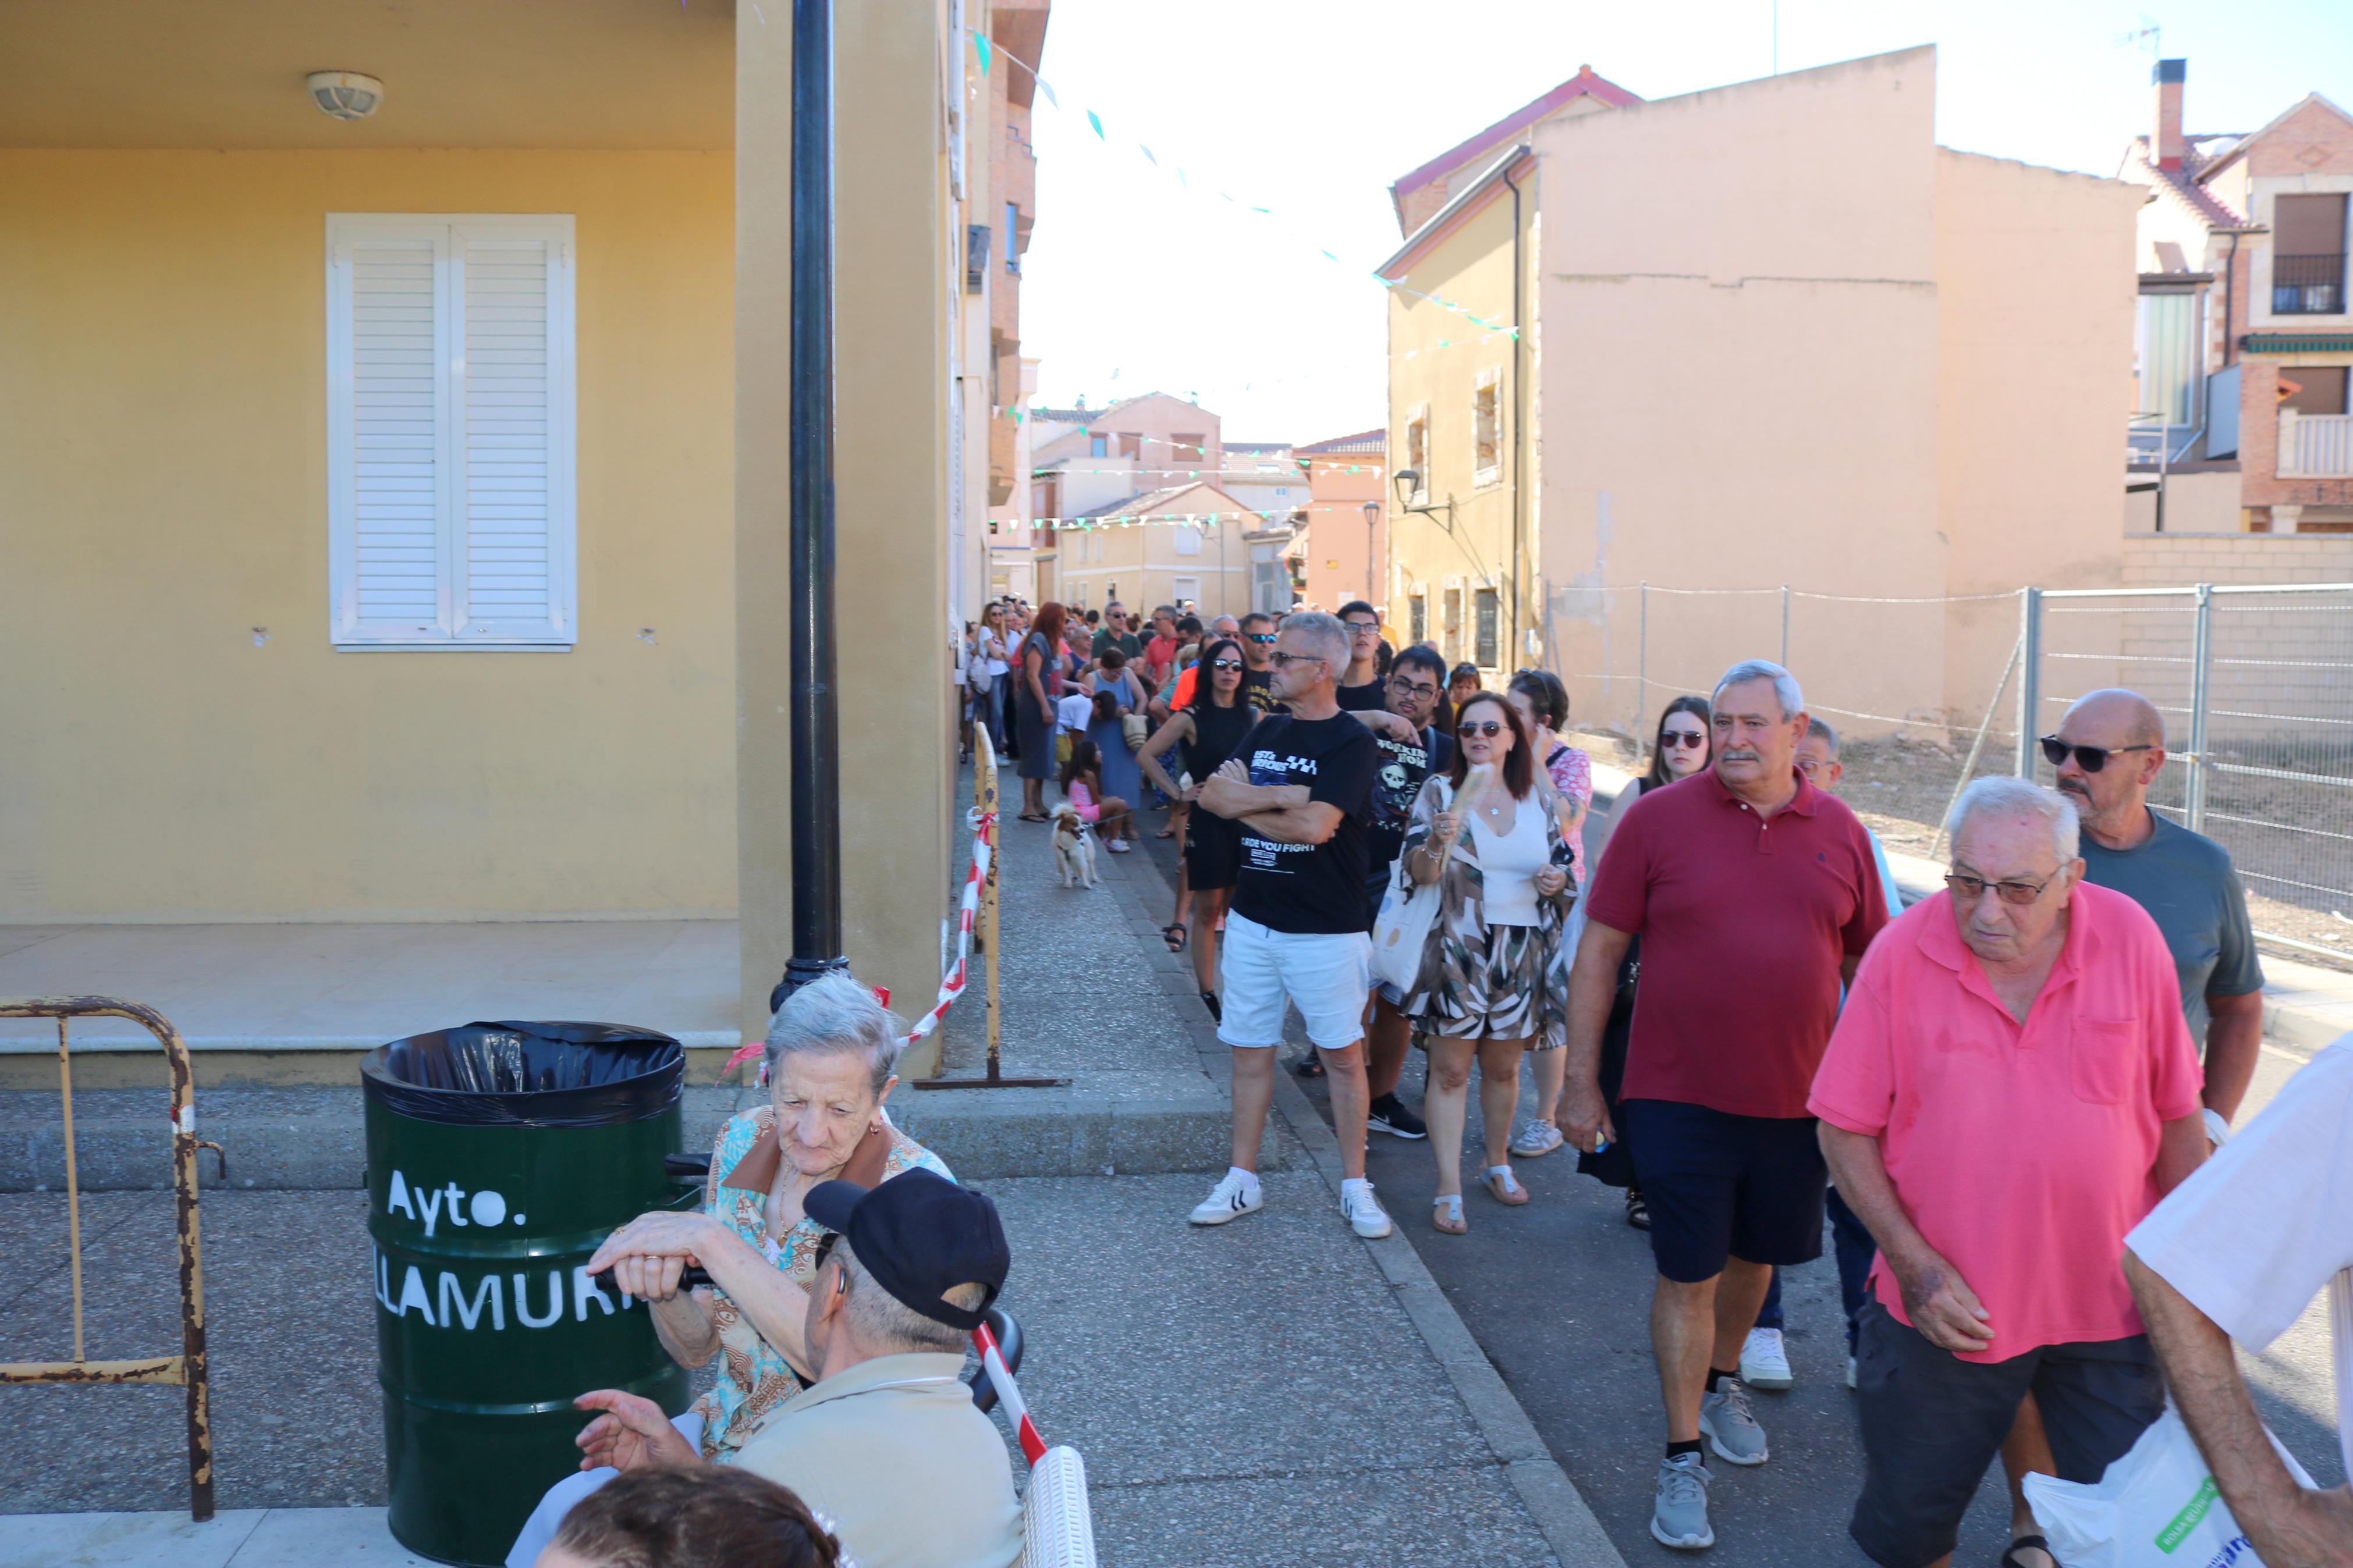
{"x":2256,"y":687}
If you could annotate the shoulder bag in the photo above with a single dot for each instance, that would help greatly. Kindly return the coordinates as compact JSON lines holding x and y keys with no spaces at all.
{"x":1408,"y":914}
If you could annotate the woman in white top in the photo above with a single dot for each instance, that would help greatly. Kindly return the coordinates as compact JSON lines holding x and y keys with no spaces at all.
{"x":996,"y":663}
{"x":1488,"y":835}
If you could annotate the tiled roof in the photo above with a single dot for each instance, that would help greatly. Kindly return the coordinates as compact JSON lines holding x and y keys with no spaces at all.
{"x":2181,"y":184}
{"x":1064,"y":415}
{"x":1363,"y":441}
{"x":1150,"y":501}
{"x":1258,"y":447}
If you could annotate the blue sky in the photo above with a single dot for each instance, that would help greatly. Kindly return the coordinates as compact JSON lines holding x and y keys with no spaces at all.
{"x":1135,"y":282}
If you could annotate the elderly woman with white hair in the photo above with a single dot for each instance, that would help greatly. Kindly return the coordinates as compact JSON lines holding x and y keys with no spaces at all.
{"x":830,"y":1051}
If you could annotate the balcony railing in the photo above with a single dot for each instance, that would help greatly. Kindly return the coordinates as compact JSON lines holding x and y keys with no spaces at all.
{"x":2314,"y":445}
{"x":2308,"y":285}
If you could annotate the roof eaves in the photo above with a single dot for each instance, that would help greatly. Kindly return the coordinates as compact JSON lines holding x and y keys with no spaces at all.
{"x":2209,"y":171}
{"x":1374,"y":440}
{"x":1455,"y":207}
{"x":1584,"y":83}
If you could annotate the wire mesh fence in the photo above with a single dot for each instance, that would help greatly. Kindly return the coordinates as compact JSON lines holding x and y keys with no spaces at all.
{"x":2255,"y":685}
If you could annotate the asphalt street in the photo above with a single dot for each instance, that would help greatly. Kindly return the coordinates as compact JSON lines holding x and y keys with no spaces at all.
{"x":1558,"y":1294}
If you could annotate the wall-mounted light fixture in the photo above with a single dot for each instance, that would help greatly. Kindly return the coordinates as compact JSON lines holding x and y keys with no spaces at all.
{"x":1408,"y":481}
{"x":344,"y":95}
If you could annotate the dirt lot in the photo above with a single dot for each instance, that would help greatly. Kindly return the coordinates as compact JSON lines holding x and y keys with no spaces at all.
{"x":2285,"y":836}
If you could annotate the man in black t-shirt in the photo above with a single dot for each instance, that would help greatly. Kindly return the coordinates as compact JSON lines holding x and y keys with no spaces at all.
{"x":1361,"y":690}
{"x":1258,"y":652}
{"x":1301,"y":788}
{"x":1410,"y":752}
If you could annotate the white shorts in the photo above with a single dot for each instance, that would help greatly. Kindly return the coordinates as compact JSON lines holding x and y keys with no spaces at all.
{"x":1326,"y":974}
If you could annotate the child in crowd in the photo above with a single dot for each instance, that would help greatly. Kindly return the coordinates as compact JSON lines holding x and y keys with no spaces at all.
{"x":1082,"y":787}
{"x":1071,"y":716}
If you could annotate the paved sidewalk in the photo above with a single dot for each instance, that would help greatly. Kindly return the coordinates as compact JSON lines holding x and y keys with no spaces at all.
{"x":1274,"y":1392}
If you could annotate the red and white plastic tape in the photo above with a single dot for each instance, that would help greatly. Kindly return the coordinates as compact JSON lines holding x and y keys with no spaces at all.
{"x":1009,"y":1393}
{"x":952,"y":985}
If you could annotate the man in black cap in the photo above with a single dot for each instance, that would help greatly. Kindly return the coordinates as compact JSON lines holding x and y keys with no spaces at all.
{"x":884,"y":1444}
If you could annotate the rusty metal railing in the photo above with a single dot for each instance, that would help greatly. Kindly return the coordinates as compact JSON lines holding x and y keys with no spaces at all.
{"x":187,"y":1368}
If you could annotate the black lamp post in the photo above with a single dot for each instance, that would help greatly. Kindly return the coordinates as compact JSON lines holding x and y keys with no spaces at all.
{"x":816,"y":780}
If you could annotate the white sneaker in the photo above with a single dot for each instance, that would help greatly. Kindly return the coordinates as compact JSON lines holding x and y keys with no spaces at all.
{"x":1366,"y":1216}
{"x":1231,"y":1199}
{"x":1536,"y":1140}
{"x":1851,"y":1370}
{"x":1764,"y":1362}
{"x":1117,"y":846}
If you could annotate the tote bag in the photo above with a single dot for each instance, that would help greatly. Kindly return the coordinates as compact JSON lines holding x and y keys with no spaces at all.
{"x":1401,"y":935}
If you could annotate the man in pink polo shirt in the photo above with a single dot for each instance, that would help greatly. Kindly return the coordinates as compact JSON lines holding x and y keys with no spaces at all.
{"x":2009,"y":1088}
{"x":1755,"y":895}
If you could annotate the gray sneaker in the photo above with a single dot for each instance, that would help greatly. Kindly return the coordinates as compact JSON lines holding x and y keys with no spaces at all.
{"x":1729,"y":1426}
{"x":1679,"y":1517}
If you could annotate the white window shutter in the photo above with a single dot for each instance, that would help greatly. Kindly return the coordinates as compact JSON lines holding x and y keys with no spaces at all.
{"x":450,"y":490}
{"x":515,"y":576}
{"x":388,"y":434}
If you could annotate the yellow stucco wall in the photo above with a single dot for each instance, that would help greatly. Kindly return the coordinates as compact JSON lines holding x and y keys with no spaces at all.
{"x":1437,"y":356}
{"x":163,"y":493}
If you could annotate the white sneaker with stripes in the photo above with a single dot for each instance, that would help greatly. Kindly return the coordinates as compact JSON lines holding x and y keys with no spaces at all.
{"x":1232,"y":1198}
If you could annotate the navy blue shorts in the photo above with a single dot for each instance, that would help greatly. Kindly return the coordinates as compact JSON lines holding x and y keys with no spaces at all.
{"x":1722,"y":1186}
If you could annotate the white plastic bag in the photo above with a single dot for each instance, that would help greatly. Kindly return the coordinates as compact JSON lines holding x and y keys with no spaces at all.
{"x":2156,"y":1508}
{"x":1401,"y":932}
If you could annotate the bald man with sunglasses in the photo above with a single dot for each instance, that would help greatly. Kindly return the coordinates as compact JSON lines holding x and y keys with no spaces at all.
{"x":2108,"y":750}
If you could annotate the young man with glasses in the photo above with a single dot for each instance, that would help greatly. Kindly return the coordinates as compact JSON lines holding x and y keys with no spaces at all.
{"x":1301,"y":788}
{"x":2010,"y":1090}
{"x":1416,"y":678}
{"x":1361,"y":688}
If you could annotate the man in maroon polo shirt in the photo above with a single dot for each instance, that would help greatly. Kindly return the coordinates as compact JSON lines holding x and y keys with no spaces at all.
{"x":1755,"y":895}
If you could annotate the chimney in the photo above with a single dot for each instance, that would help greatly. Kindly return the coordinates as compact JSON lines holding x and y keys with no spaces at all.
{"x":2166,"y":147}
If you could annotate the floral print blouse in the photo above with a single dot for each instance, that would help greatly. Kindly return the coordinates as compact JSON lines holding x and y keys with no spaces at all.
{"x":753,"y":1378}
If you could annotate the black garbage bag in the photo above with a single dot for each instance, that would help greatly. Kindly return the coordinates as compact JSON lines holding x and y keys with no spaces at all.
{"x":528,"y":1074}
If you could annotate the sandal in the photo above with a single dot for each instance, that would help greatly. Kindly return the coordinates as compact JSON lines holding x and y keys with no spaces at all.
{"x":1174,"y":935}
{"x":1502,"y":1186}
{"x":1638,"y":1209}
{"x":2011,"y":1559}
{"x":1446,"y":1216}
{"x":1309,"y":1066}
{"x":1166,"y":833}
{"x":1026,"y":817}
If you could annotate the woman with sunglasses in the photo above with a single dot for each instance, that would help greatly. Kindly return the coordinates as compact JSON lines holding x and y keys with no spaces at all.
{"x":1207,"y":728}
{"x":1680,"y":749}
{"x":1489,"y":836}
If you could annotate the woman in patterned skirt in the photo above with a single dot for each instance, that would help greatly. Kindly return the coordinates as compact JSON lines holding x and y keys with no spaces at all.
{"x":1489,"y":834}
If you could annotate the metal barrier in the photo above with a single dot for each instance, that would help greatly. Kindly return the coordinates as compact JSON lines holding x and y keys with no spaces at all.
{"x":985,"y":814}
{"x":187,"y":1368}
{"x":2256,"y":686}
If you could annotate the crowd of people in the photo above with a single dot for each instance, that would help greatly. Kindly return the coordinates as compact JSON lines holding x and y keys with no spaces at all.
{"x":1733,"y":1018}
{"x":2000,"y":1103}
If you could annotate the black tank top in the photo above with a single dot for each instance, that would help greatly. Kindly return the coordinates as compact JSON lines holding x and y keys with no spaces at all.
{"x":1216,"y":732}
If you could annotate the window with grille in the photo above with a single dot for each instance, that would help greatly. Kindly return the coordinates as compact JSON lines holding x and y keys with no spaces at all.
{"x":450,"y":431}
{"x":1490,"y":612}
{"x":1418,"y":616}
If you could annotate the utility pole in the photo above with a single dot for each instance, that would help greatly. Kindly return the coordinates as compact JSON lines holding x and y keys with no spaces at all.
{"x":815,"y":777}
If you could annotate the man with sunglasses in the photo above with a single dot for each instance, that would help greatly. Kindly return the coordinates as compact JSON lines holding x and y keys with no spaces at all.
{"x":2108,"y":750}
{"x":2010,"y":1090}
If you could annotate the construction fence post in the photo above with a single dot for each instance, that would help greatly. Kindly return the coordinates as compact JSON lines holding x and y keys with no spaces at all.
{"x":2030,"y":675}
{"x":2201,"y":651}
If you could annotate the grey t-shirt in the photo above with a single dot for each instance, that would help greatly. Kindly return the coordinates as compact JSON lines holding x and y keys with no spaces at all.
{"x":2185,"y":880}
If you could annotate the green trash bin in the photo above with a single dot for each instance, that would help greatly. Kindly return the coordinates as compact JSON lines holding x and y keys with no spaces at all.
{"x":498,"y":1156}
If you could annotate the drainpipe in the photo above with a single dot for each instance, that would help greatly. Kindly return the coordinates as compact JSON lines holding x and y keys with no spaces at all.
{"x":1519,"y":413}
{"x":815,"y":779}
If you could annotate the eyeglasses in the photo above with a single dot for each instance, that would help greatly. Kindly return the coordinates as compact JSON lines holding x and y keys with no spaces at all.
{"x":1364,"y":628}
{"x":1968,"y":888}
{"x":1259,"y":636}
{"x":1489,"y":728}
{"x":2092,"y":758}
{"x":1224,"y":664}
{"x":1692,"y":739}
{"x":1421,"y":689}
{"x":1809,"y":768}
{"x":824,"y":1249}
{"x":1287,"y":660}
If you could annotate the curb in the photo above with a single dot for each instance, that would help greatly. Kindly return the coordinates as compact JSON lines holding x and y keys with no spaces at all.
{"x":1568,"y":1524}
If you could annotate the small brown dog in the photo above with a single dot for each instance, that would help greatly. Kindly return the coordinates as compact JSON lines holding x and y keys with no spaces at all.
{"x":1074,"y":847}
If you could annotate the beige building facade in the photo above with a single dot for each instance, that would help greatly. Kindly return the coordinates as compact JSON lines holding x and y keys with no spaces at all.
{"x":398,"y":506}
{"x":1769,"y":380}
